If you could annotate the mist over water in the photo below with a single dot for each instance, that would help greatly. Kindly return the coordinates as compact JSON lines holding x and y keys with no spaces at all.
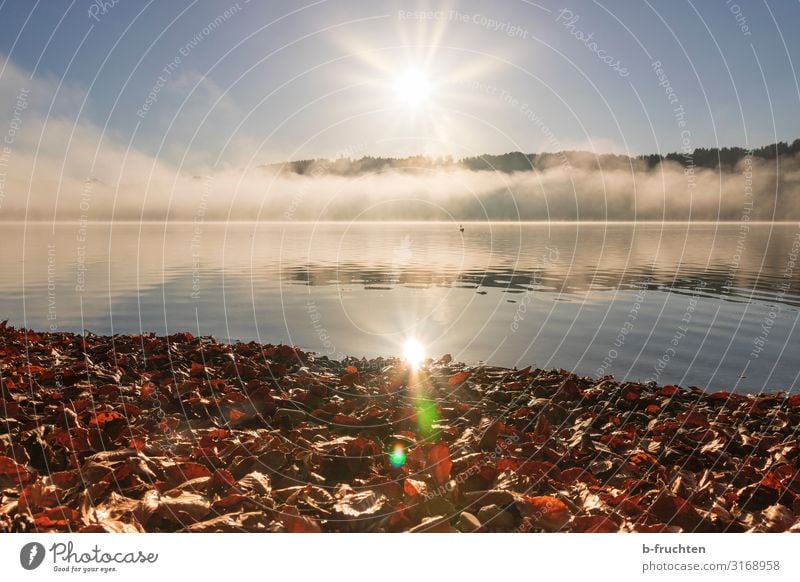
{"x":756,"y":189}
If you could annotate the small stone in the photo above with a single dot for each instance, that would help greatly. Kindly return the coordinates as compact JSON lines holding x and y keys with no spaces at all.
{"x":496,"y":518}
{"x":468,"y":523}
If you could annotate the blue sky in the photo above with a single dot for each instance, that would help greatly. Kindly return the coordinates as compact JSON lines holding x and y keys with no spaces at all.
{"x":276,"y":80}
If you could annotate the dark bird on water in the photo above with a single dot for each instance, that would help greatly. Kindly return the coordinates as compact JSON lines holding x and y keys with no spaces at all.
{"x":461,"y":228}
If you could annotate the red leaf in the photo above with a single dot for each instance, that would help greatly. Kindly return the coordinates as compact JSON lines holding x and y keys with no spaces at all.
{"x":102,"y":418}
{"x":138,"y":444}
{"x":458,"y":378}
{"x":221,"y":481}
{"x":631,"y":396}
{"x":300,"y":524}
{"x":59,"y":517}
{"x":669,"y":390}
{"x":693,"y":419}
{"x":9,"y":468}
{"x":440,"y":463}
{"x":546,"y":512}
{"x":186,"y":472}
{"x":569,"y":389}
{"x":412,"y":487}
{"x":345,"y":419}
{"x":147,"y":389}
{"x":576,"y":474}
{"x":594,"y":524}
{"x":235,"y":415}
{"x":198,"y":370}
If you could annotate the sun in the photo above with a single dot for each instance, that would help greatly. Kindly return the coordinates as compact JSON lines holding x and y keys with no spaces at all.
{"x":414,"y":353}
{"x":412,"y":88}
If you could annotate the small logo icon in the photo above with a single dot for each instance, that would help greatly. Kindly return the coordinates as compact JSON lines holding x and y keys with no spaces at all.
{"x":31,"y":555}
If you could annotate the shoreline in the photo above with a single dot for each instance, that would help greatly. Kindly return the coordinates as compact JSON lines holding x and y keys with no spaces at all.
{"x":178,"y":433}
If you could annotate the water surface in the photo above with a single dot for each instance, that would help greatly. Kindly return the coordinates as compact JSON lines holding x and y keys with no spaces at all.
{"x":711,"y":305}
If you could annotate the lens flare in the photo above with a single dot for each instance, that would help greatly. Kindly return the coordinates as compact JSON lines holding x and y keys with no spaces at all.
{"x":398,"y":456}
{"x":427,"y":416}
{"x":414,"y":353}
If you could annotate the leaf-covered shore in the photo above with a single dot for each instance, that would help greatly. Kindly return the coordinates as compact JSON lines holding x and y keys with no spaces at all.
{"x":180,"y":433}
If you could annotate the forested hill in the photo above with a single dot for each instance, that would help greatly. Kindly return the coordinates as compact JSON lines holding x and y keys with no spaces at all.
{"x":725,"y":158}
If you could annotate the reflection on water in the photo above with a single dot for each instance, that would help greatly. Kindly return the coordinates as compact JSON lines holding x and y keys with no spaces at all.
{"x":689,"y":304}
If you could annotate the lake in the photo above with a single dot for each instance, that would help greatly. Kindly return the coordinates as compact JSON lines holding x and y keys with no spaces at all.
{"x":703,"y":304}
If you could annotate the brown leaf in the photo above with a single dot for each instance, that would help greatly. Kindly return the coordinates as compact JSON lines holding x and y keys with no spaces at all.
{"x":777,"y":518}
{"x":593,"y":524}
{"x":545,"y":512}
{"x":256,"y":482}
{"x":359,"y":505}
{"x":675,"y":510}
{"x":184,"y":508}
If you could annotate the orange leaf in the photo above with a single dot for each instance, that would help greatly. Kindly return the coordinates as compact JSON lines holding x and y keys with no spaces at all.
{"x":147,"y":389}
{"x":412,"y":487}
{"x":138,"y":444}
{"x":459,"y":378}
{"x":440,"y":463}
{"x":546,"y":512}
{"x":198,"y":370}
{"x":102,"y":418}
{"x":235,"y":415}
{"x":594,"y":524}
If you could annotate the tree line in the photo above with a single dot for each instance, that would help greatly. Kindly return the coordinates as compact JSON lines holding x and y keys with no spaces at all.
{"x":725,"y":158}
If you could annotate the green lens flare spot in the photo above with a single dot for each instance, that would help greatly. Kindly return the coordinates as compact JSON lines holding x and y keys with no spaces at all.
{"x":426,"y":416}
{"x":398,"y":456}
